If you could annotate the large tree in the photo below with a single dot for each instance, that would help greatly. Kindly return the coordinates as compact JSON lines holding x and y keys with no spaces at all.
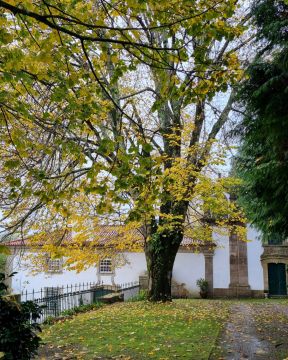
{"x":262,"y":161}
{"x":114,"y":108}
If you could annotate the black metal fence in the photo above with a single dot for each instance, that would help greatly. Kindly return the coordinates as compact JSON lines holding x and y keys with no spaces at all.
{"x":48,"y":291}
{"x":55,"y":300}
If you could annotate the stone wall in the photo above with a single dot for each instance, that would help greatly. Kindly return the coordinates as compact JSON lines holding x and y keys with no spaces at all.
{"x":237,"y":293}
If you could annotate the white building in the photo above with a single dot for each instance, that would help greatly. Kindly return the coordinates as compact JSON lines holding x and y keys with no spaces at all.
{"x":232,"y":268}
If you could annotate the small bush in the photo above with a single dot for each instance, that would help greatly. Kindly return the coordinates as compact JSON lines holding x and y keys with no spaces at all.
{"x":141,"y":296}
{"x":202,"y":284}
{"x":81,"y":309}
{"x":71,"y":312}
{"x":49,"y":320}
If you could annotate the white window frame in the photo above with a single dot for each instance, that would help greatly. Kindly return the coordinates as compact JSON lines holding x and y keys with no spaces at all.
{"x":105,"y":266}
{"x":55,"y":265}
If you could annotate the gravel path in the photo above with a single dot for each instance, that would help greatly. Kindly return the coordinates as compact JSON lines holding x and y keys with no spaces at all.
{"x":255,"y":331}
{"x":240,"y":339}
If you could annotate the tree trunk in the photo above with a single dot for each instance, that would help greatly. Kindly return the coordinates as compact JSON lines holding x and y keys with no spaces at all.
{"x":160,"y":256}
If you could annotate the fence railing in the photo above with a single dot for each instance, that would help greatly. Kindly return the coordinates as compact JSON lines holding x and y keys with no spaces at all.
{"x":55,"y":300}
{"x":48,"y":291}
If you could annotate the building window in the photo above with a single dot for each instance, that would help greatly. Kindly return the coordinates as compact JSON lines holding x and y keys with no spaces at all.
{"x":55,"y":265}
{"x":105,"y":266}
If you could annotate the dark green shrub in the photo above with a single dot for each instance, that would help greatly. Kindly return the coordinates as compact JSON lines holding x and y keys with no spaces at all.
{"x":202,"y":284}
{"x":66,"y":314}
{"x":81,"y":309}
{"x":50,"y":320}
{"x":18,"y":327}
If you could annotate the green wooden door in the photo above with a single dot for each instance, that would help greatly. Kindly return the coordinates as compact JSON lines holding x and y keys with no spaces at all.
{"x":277,"y":279}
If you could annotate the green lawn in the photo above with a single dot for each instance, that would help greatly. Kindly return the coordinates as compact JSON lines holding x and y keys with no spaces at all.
{"x":184,"y":329}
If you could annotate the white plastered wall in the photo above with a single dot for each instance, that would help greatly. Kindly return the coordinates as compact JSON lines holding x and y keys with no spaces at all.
{"x":221,"y":262}
{"x":254,"y":251}
{"x":25,"y":280}
{"x":134,"y":267}
{"x":188,"y":268}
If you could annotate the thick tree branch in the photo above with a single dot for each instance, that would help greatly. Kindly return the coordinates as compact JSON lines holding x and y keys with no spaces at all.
{"x":223,"y":117}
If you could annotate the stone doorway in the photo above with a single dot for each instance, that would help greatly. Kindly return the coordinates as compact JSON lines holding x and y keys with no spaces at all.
{"x":275,"y":263}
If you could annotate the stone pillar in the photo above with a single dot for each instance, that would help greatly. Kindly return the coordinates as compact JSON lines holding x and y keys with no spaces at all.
{"x":143,"y":282}
{"x":239,"y":285}
{"x":265,"y":276}
{"x":208,"y":255}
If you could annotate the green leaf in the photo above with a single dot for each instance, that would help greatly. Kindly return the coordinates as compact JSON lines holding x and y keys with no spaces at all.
{"x":11,"y":164}
{"x":147,"y":147}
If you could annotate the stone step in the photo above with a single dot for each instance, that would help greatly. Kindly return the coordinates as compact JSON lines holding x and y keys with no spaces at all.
{"x":278,"y":296}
